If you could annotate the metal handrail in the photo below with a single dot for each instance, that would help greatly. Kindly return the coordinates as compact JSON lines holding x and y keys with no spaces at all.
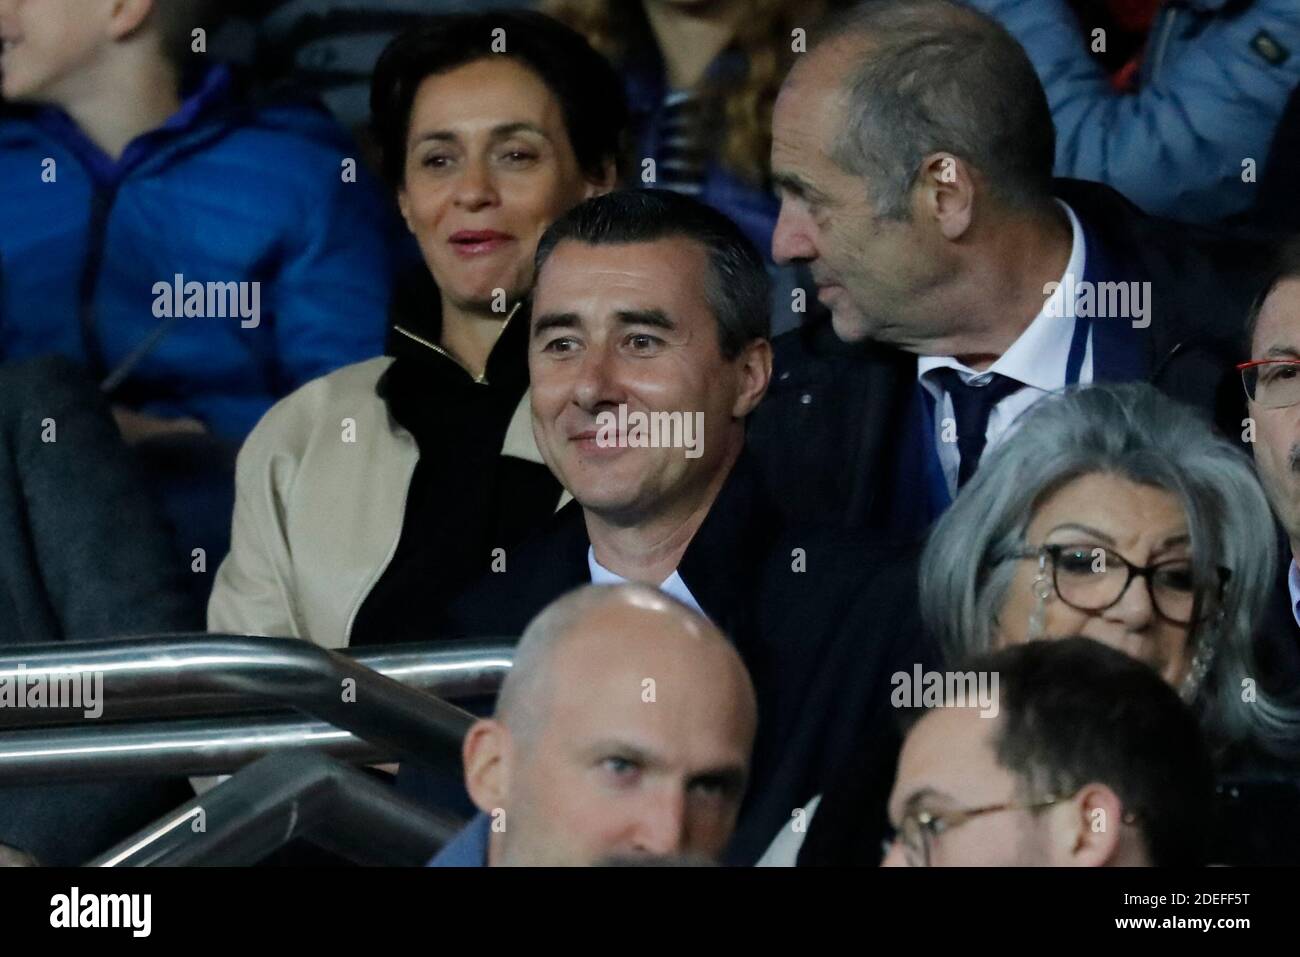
{"x":173,"y":676}
{"x":280,"y":798}
{"x":275,"y":671}
{"x":185,"y":747}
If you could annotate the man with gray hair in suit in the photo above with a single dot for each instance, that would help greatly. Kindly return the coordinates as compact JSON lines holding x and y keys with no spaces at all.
{"x":912,"y":148}
{"x":623,"y":730}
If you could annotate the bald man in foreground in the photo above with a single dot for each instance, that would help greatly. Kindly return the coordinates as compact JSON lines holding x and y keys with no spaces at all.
{"x":623,"y":730}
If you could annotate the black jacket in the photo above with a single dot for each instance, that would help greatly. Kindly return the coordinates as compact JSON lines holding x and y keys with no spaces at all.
{"x":1277,"y":641}
{"x":465,"y":498}
{"x":1279,"y":200}
{"x":821,"y":643}
{"x":828,"y":434}
{"x":83,"y":556}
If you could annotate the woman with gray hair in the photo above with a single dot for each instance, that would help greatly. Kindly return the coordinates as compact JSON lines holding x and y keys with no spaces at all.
{"x":1098,"y":487}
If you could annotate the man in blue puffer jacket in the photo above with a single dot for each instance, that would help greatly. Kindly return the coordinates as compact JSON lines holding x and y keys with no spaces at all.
{"x":1215,"y":78}
{"x":203,"y":255}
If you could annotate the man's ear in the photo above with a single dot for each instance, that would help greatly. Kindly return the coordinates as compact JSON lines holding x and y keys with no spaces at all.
{"x":129,"y":15}
{"x":602,"y":184}
{"x":945,"y":194}
{"x":1086,"y":831}
{"x":485,"y":754}
{"x":755,"y":365}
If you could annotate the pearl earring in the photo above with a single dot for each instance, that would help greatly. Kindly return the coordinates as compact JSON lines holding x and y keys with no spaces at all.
{"x":1042,"y":589}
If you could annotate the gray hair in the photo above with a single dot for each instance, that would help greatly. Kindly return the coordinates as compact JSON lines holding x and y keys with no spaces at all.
{"x":937,"y":76}
{"x":1135,"y":432}
{"x":520,"y":704}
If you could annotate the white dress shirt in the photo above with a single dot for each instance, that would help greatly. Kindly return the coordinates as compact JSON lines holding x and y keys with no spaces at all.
{"x":1038,"y":358}
{"x":672,"y":585}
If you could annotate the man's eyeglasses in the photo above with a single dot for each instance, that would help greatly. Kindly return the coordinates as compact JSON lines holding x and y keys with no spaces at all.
{"x":1272,"y":383}
{"x":919,"y":829}
{"x":1091,"y":578}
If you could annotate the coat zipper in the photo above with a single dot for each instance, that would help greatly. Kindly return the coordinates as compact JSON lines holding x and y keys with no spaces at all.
{"x":478,"y":379}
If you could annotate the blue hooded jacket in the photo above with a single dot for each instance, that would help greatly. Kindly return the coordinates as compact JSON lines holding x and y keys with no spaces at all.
{"x":225,"y":191}
{"x":1214,"y":82}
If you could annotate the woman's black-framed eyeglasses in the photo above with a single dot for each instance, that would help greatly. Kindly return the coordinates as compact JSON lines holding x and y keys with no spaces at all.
{"x":1092,"y":578}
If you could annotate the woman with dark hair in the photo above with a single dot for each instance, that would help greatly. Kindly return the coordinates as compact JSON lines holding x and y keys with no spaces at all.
{"x":369,"y":497}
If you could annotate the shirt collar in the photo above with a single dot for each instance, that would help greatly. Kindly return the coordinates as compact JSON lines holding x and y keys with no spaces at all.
{"x":673,"y":585}
{"x":1039,"y":356}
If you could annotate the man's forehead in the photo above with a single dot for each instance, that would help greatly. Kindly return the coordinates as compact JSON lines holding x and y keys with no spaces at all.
{"x":804,"y":129}
{"x":636,"y":712}
{"x":573,"y":256}
{"x":807,"y":101}
{"x":621,"y":708}
{"x":621,"y":275}
{"x":945,"y":749}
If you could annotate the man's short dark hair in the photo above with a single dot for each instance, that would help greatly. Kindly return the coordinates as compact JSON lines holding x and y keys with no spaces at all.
{"x":738,"y":287}
{"x":1073,"y":711}
{"x":937,"y":76}
{"x":1286,"y":266}
{"x":588,"y":89}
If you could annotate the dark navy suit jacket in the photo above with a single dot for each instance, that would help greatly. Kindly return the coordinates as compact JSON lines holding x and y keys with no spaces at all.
{"x":821,"y":629}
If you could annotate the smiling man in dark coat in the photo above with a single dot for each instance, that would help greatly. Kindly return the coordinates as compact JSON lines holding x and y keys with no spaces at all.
{"x":650,"y":303}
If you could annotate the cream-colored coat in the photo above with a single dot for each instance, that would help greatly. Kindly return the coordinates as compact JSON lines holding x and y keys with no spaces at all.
{"x":321,"y":486}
